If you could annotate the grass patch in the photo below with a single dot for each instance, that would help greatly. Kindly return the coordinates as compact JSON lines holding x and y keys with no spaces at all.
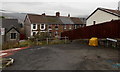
{"x":26,"y":43}
{"x":10,"y":45}
{"x":32,"y":43}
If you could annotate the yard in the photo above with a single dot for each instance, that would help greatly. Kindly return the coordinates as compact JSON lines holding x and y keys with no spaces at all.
{"x":73,"y":56}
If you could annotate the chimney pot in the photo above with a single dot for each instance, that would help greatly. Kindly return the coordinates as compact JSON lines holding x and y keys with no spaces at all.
{"x":43,"y":14}
{"x":57,"y":14}
{"x":68,"y":15}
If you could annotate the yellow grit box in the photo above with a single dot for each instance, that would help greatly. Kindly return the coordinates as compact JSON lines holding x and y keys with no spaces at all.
{"x":93,"y":41}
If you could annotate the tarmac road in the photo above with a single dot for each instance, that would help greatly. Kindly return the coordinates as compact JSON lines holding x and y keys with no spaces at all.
{"x":74,"y":56}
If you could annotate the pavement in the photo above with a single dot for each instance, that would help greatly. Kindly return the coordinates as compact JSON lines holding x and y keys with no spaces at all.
{"x":73,"y":56}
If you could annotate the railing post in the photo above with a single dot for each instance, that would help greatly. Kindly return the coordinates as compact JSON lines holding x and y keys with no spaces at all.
{"x":47,"y":41}
{"x":65,"y":39}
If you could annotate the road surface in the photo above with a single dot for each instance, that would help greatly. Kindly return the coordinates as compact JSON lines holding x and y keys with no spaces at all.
{"x":73,"y":56}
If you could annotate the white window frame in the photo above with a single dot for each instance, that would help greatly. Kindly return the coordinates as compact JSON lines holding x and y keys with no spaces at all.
{"x":33,"y":31}
{"x":42,"y":28}
{"x":32,"y":27}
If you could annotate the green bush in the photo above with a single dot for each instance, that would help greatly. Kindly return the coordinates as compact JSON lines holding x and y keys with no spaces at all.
{"x":26,"y":43}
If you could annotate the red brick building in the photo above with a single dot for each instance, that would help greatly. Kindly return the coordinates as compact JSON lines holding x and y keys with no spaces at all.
{"x":54,"y":25}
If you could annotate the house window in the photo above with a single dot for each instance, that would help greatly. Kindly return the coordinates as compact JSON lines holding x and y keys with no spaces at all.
{"x":50,"y":33}
{"x":42,"y":26}
{"x":56,"y":27}
{"x":70,"y":27}
{"x":64,"y":26}
{"x":80,"y":25}
{"x":75,"y":26}
{"x":34,"y":26}
{"x":56,"y":33}
{"x":94,"y":22}
{"x":34,"y":33}
{"x":13,"y":35}
{"x":49,"y":27}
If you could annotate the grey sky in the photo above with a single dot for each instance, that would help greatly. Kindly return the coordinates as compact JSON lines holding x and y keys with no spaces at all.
{"x":75,"y":8}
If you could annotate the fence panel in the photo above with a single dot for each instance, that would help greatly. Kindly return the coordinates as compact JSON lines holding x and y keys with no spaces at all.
{"x":104,"y":30}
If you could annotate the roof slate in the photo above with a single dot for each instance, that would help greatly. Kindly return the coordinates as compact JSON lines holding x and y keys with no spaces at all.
{"x":76,"y":20}
{"x":66,"y":20}
{"x":9,"y":23}
{"x":34,"y":18}
{"x":53,"y":20}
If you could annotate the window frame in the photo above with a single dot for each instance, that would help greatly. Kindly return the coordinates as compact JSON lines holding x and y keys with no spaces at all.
{"x":33,"y":27}
{"x":12,"y":36}
{"x":33,"y":32}
{"x":43,"y":26}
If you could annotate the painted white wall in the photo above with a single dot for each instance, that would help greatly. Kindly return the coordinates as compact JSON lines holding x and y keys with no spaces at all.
{"x":100,"y":17}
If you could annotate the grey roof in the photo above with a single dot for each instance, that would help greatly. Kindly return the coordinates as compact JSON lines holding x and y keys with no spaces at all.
{"x":66,"y":20}
{"x":53,"y":20}
{"x":9,"y":23}
{"x":19,"y":16}
{"x":13,"y":28}
{"x":34,"y":18}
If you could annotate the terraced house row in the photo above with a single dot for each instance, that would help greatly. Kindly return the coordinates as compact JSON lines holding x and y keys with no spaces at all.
{"x":54,"y":25}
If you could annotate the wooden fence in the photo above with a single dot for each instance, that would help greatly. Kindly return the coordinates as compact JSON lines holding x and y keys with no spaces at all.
{"x":104,"y":30}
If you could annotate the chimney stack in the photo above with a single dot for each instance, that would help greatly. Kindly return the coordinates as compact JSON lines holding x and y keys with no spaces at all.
{"x":68,"y":15}
{"x":57,"y":14}
{"x":43,"y":14}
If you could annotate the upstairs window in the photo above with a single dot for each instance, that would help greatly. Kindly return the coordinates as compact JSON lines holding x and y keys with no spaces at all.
{"x":56,"y":27}
{"x":13,"y":35}
{"x":34,"y":26}
{"x":94,"y":22}
{"x":42,"y":26}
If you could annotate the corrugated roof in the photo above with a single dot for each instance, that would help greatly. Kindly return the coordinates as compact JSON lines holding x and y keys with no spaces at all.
{"x":66,"y":20}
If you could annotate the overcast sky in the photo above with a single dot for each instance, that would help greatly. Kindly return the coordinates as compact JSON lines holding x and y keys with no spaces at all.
{"x":65,"y":7}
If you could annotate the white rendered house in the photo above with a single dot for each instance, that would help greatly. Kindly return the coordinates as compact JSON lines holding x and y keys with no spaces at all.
{"x":101,"y":15}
